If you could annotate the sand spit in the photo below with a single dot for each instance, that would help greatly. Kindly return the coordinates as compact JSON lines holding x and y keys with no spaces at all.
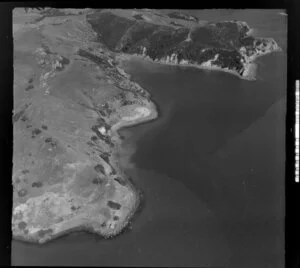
{"x":139,"y":115}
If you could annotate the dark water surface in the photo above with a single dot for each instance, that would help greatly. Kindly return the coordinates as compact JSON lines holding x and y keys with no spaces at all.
{"x":211,"y":168}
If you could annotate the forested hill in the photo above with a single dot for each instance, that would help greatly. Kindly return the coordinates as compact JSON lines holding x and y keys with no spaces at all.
{"x":179,"y":38}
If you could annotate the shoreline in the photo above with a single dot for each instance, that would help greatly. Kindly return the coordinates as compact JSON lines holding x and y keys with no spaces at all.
{"x":123,"y":124}
{"x":249,"y":66}
{"x":124,"y":56}
{"x":136,"y":204}
{"x":86,"y":229}
{"x":138,"y":194}
{"x":185,"y":65}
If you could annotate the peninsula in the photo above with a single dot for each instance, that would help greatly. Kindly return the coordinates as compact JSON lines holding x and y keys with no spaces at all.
{"x":70,"y":100}
{"x":177,"y":38}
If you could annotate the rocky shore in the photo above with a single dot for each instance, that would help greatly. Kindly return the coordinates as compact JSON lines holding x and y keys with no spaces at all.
{"x":227,"y":46}
{"x":247,"y":72}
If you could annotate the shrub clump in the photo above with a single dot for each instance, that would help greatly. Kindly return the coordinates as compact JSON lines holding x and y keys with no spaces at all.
{"x":99,"y":168}
{"x":22,"y":193}
{"x":37,"y":184}
{"x":113,"y":205}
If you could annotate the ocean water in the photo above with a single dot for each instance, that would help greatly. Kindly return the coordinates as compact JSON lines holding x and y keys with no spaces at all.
{"x":211,"y":168}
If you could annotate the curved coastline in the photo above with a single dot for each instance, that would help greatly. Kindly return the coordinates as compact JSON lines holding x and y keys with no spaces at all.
{"x":248,"y":74}
{"x":136,"y":204}
{"x":248,"y":60}
{"x":139,"y":201}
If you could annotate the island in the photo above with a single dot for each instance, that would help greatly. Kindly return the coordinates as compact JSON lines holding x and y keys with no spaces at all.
{"x":72,"y":96}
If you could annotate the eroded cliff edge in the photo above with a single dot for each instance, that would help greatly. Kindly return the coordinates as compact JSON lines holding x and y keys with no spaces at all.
{"x":176,"y":38}
{"x":70,"y":99}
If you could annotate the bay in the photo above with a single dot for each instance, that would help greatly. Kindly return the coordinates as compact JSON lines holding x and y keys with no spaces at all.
{"x":211,"y":168}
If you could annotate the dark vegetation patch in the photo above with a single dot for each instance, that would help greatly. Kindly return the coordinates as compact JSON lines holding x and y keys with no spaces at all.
{"x":113,"y":205}
{"x":115,"y":218}
{"x":206,"y":38}
{"x":22,"y":225}
{"x":109,"y":27}
{"x":227,"y":58}
{"x":99,"y":168}
{"x":42,"y":233}
{"x":22,"y":192}
{"x":46,"y":49}
{"x":35,"y":132}
{"x":123,"y":99}
{"x":94,"y":138}
{"x":107,"y":111}
{"x":89,"y":143}
{"x":24,"y":118}
{"x":105,"y":156}
{"x":105,"y":138}
{"x":44,"y":127}
{"x":120,"y":181}
{"x":113,"y":171}
{"x":248,"y":41}
{"x":230,"y":59}
{"x":29,"y":87}
{"x":162,"y":42}
{"x":18,"y":115}
{"x":37,"y":184}
{"x":227,"y":30}
{"x":97,"y":181}
{"x":258,"y":42}
{"x":102,"y":113}
{"x":138,"y":17}
{"x":223,"y":38}
{"x":64,"y":62}
{"x":51,"y":142}
{"x":25,"y":171}
{"x":74,"y":208}
{"x":229,"y":34}
{"x":93,"y":58}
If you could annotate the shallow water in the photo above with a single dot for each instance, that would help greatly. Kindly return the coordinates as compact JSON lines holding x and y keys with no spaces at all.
{"x":211,"y":168}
